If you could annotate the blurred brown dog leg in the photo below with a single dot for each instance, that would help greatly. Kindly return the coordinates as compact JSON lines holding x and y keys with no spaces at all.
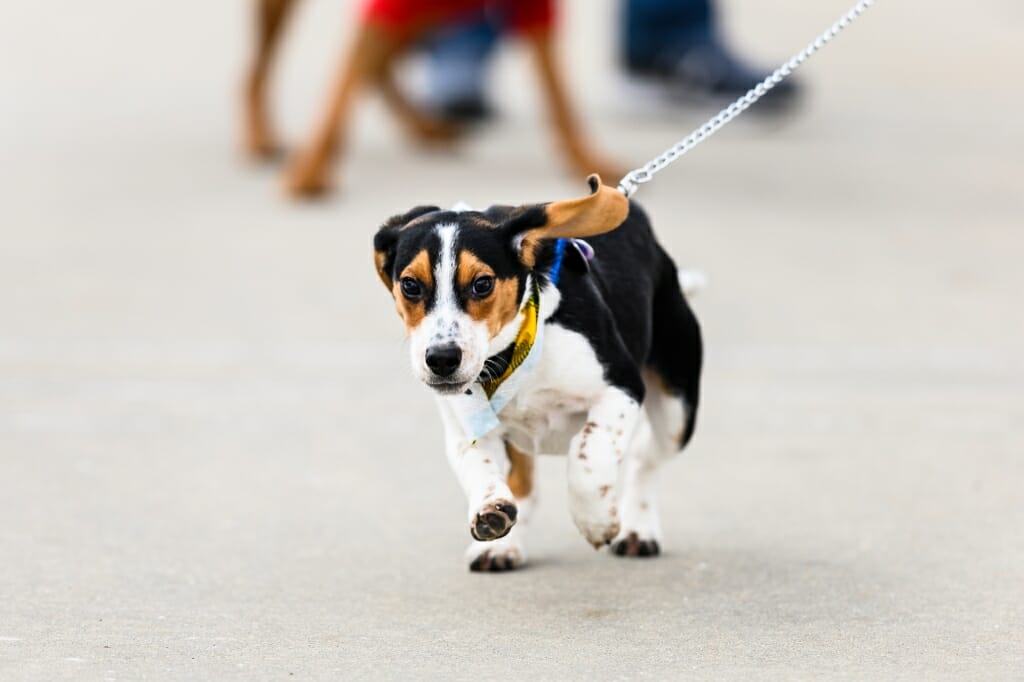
{"x":568,"y":131}
{"x":259,"y":140}
{"x":309,"y":172}
{"x":370,"y":61}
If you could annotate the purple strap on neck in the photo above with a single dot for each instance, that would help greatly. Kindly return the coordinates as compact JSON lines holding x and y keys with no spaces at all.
{"x":585,"y":250}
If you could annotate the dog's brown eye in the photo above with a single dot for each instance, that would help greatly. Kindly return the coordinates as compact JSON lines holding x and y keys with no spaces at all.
{"x":411,"y":289}
{"x":483,"y":286}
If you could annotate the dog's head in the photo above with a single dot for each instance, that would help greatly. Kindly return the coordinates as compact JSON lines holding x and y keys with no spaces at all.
{"x":461,"y":278}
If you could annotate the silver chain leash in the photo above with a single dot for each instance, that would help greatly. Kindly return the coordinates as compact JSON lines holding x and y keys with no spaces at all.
{"x":638,"y":176}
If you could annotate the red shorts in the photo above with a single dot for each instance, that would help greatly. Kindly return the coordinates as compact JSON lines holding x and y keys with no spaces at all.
{"x":403,"y":16}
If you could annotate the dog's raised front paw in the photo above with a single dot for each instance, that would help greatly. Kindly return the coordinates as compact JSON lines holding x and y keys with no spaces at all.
{"x":494,"y":520}
{"x":632,"y":545}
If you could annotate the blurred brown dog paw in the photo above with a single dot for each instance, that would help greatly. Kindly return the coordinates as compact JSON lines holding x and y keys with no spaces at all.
{"x":308,"y":177}
{"x":435,"y":133}
{"x":261,"y":145}
{"x":259,"y":141}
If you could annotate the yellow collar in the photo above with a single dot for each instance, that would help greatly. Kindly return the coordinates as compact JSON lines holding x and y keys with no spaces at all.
{"x":525,"y":339}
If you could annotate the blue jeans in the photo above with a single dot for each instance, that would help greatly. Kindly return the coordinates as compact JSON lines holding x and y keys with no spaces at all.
{"x":457,"y":59}
{"x":655,"y":34}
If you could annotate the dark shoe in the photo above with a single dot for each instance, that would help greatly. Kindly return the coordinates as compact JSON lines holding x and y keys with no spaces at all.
{"x":709,"y":69}
{"x":464,"y":110}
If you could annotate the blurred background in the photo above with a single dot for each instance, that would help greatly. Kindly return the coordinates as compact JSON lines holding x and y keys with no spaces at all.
{"x":214,"y":462}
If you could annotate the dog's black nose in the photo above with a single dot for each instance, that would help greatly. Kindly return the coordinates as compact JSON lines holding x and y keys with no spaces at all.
{"x":443,"y":360}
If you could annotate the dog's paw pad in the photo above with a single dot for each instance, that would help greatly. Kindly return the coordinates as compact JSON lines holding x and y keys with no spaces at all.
{"x":494,"y":520}
{"x":496,"y":560}
{"x":633,"y":546}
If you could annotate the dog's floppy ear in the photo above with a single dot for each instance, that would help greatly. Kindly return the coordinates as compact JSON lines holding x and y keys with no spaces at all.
{"x":603,"y":210}
{"x":386,"y":239}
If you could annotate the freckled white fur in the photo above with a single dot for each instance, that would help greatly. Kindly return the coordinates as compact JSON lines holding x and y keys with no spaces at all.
{"x":637,"y":508}
{"x":566,"y":392}
{"x":595,"y":458}
{"x":552,"y":405}
{"x":613,"y":446}
{"x":481,"y":468}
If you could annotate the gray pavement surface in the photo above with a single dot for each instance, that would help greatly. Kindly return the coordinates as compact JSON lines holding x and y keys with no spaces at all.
{"x":215,"y":465}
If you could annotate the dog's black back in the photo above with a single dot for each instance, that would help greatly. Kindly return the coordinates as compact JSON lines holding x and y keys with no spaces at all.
{"x":629,"y":305}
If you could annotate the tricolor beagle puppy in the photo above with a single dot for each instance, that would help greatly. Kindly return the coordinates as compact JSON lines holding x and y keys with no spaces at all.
{"x":536,"y":342}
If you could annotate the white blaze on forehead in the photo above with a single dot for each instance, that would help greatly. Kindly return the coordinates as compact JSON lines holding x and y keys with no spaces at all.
{"x":442,"y":321}
{"x":444,"y":271}
{"x":446,"y":323}
{"x":461,"y":207}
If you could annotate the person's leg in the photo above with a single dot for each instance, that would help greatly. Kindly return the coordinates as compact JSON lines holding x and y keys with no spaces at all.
{"x":457,"y":62}
{"x":657,"y":32}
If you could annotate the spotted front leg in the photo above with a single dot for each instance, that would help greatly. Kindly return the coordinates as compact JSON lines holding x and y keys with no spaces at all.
{"x":595,"y":458}
{"x":509,"y":552}
{"x":481,"y":468}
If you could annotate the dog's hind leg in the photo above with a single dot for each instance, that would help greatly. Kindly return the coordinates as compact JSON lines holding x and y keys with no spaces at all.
{"x":672,"y":381}
{"x":657,"y":438}
{"x":509,"y":552}
{"x":259,"y":139}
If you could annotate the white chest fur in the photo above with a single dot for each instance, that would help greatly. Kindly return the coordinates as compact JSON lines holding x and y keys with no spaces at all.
{"x":551,"y":406}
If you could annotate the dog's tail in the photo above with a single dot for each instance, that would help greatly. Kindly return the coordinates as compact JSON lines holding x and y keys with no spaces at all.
{"x":692,"y":282}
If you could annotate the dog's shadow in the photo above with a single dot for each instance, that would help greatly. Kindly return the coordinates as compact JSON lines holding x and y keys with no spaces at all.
{"x":701,"y":581}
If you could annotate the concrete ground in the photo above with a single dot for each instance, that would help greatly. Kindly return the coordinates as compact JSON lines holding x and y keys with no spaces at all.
{"x":214,"y":464}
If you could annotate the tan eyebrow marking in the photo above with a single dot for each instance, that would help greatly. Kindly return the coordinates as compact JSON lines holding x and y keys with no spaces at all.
{"x":470,"y":267}
{"x":419,"y":268}
{"x":413,"y":312}
{"x":498,"y":309}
